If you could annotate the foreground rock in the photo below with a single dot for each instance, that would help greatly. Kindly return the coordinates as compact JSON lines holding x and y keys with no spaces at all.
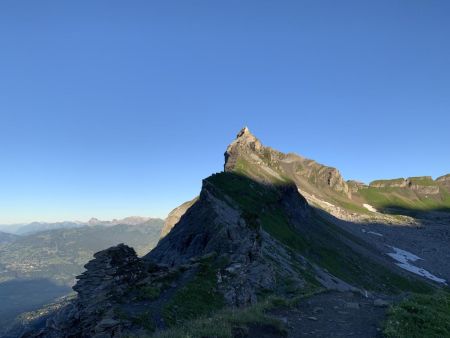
{"x":108,"y":278}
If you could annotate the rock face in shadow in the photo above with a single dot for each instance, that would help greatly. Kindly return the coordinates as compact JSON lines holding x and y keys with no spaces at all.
{"x":215,"y":226}
{"x":107,"y":278}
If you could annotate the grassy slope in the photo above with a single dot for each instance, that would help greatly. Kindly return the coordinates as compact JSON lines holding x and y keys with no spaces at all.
{"x":399,"y":198}
{"x":391,"y":181}
{"x":420,"y":316}
{"x":197,"y":298}
{"x":319,"y":241}
{"x":227,"y":323}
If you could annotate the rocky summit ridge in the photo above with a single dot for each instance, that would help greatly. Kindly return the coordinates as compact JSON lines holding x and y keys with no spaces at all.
{"x":250,"y":234}
{"x":247,"y":155}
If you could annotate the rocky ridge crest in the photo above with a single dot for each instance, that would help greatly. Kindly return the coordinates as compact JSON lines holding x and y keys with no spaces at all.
{"x":246,"y":154}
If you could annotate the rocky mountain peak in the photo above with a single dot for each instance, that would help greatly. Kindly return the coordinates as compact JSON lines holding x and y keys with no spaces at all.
{"x":243,"y":132}
{"x":246,"y":155}
{"x":246,"y":138}
{"x":244,"y":145}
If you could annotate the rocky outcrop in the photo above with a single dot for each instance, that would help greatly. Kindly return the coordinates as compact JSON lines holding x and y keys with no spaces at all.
{"x":394,"y":183}
{"x":107,"y":278}
{"x":108,"y":275}
{"x":444,"y":181}
{"x":421,"y":184}
{"x":355,"y":186}
{"x":444,"y":178}
{"x":175,"y":215}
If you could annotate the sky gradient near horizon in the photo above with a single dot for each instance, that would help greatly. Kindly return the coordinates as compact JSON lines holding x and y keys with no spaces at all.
{"x":118,"y":108}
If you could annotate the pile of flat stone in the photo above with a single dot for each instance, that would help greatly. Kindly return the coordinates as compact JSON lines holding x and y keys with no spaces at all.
{"x":109,"y":274}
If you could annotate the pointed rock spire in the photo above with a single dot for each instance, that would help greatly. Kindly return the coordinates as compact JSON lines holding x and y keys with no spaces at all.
{"x":244,"y":131}
{"x":245,"y":143}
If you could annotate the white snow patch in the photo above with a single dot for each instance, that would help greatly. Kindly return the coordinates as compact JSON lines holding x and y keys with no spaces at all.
{"x":404,"y":258}
{"x":369,"y":207}
{"x":371,"y":232}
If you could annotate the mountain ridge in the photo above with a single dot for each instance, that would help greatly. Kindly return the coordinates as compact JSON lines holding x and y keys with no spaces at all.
{"x":37,"y":226}
{"x":251,"y":233}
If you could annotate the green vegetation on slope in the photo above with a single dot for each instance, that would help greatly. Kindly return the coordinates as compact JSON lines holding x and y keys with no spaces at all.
{"x":197,"y":298}
{"x":422,"y":180}
{"x":229,"y":323}
{"x":318,"y":240}
{"x":273,"y":175}
{"x":394,"y":181}
{"x":405,"y":199}
{"x":420,"y":316}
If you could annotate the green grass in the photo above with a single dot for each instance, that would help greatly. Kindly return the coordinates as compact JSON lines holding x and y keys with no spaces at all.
{"x":145,"y":321}
{"x":350,"y":206}
{"x":246,"y":168}
{"x":227,"y":322}
{"x":148,"y":292}
{"x":423,"y":180}
{"x":198,"y":297}
{"x":420,"y":316}
{"x":404,"y":199}
{"x":387,"y":182}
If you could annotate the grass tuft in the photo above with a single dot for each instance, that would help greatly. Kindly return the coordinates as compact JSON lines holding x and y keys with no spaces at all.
{"x":420,"y":316}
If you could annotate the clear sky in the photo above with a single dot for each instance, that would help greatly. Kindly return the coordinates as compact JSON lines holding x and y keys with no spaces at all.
{"x":117,"y":108}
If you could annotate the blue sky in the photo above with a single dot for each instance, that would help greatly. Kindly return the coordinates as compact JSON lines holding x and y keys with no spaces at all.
{"x":116,"y":108}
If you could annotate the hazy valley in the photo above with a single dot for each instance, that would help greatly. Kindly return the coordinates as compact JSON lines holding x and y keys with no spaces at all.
{"x":41,"y":264}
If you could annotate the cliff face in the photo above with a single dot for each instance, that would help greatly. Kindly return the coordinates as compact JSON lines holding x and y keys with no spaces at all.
{"x":421,"y":184}
{"x":444,"y":181}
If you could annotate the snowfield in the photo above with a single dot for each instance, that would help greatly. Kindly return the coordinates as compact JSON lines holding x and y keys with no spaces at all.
{"x":404,"y":258}
{"x":369,"y":207}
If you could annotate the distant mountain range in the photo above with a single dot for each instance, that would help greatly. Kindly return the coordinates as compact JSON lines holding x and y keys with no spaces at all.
{"x":34,"y":227}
